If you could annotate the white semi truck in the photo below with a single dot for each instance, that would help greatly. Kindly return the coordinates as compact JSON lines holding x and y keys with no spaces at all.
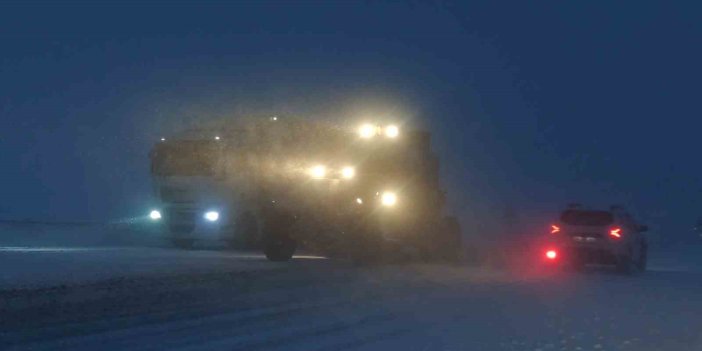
{"x":368,"y":192}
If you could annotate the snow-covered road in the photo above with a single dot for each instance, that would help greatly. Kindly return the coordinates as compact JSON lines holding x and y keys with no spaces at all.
{"x":151,"y":298}
{"x":40,"y":266}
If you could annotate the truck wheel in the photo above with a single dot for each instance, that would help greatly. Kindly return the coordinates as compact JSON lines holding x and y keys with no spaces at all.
{"x":278,"y":246}
{"x":279,"y":249}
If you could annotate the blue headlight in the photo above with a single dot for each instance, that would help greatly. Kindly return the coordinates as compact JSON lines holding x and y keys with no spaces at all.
{"x":211,"y":216}
{"x":155,"y":215}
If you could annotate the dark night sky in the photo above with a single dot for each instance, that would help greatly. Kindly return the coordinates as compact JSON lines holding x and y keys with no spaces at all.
{"x":532,"y":106}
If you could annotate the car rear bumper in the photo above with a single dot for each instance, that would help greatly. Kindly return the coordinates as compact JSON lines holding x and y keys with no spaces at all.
{"x":590,"y":255}
{"x":598,"y":251}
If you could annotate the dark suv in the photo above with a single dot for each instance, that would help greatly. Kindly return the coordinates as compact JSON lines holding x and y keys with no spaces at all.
{"x":613,"y":237}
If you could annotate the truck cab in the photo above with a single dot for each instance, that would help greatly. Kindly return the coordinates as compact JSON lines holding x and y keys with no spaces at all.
{"x":186,"y":179}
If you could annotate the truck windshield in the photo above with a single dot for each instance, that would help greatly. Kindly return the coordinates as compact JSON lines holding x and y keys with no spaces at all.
{"x":579,"y":217}
{"x":184,"y":158}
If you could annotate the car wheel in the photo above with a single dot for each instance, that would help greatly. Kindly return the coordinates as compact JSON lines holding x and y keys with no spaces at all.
{"x":626,"y":265}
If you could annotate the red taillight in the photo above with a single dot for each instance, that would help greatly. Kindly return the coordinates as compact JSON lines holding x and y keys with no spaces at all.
{"x":616,"y":233}
{"x":555,"y":229}
{"x":551,"y":254}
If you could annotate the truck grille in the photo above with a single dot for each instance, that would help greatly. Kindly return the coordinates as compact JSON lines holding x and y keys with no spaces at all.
{"x":181,"y":216}
{"x":175,"y":195}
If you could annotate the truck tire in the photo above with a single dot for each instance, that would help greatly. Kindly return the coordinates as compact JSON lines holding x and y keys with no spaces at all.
{"x":280,"y":249}
{"x":278,"y":246}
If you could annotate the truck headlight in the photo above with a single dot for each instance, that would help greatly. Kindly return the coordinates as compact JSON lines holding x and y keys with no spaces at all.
{"x":155,"y":215}
{"x":348,"y":172}
{"x":367,"y":131}
{"x":318,"y":172}
{"x":211,"y":216}
{"x":392,"y":131}
{"x":388,"y":198}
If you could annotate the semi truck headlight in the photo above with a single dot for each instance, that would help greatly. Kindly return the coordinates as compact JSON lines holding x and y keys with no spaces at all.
{"x":155,"y":215}
{"x":348,"y":172}
{"x":367,"y":131}
{"x":388,"y":198}
{"x":392,"y":131}
{"x":211,"y":216}
{"x":318,"y":172}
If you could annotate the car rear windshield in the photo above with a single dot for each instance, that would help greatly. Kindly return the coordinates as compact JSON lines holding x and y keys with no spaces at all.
{"x":579,"y":217}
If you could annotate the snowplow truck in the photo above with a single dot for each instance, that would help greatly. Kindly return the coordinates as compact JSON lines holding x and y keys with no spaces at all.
{"x":368,"y":193}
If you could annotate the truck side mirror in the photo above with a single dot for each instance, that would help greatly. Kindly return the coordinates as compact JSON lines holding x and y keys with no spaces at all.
{"x":643,"y":228}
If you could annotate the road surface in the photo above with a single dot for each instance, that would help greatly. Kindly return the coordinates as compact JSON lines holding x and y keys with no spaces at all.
{"x":102,"y":298}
